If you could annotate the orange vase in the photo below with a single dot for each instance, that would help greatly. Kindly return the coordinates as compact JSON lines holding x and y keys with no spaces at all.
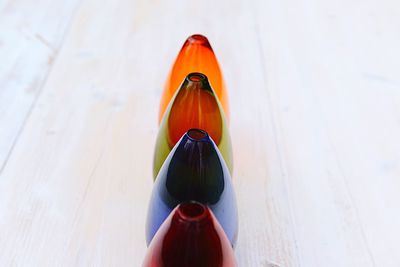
{"x":196,"y":55}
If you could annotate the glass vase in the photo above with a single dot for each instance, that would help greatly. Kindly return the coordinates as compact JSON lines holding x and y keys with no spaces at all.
{"x":196,"y":55}
{"x":190,"y":237}
{"x":194,"y":171}
{"x":194,"y":105}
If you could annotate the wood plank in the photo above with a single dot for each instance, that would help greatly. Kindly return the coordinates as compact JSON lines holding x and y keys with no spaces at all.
{"x":80,"y":198}
{"x":266,"y":236}
{"x":331,"y":83}
{"x":364,"y":128}
{"x":31,"y":33}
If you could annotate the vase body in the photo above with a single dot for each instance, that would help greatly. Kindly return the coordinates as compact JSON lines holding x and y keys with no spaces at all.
{"x":194,"y":171}
{"x":194,"y":105}
{"x":190,"y":237}
{"x":196,"y":55}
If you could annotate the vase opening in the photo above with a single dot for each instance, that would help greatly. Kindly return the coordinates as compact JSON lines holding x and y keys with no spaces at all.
{"x":197,"y":134}
{"x":198,"y":38}
{"x":196,"y":77}
{"x":192,"y":211}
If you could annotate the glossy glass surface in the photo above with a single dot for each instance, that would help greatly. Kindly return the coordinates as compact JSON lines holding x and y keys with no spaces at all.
{"x":194,"y":170}
{"x":196,"y":55}
{"x":190,"y":237}
{"x":194,"y":105}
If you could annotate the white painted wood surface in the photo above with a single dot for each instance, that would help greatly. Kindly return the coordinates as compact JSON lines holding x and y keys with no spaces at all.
{"x":315,"y":120}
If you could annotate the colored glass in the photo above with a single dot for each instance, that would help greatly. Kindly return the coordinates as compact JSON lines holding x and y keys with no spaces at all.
{"x":193,"y":106}
{"x":194,"y":170}
{"x":196,"y":55}
{"x":190,"y":237}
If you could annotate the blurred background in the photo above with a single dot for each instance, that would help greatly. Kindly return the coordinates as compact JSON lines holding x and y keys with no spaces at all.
{"x":314,"y":91}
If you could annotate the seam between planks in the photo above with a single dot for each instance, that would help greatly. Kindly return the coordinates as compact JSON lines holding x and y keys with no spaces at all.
{"x":344,"y":177}
{"x":354,"y":206}
{"x":275,"y":135}
{"x":42,"y":84}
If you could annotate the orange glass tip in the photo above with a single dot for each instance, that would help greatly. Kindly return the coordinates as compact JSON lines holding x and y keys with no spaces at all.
{"x":196,"y":55}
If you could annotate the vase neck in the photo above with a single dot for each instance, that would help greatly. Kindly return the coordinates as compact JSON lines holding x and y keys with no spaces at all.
{"x":194,"y":106}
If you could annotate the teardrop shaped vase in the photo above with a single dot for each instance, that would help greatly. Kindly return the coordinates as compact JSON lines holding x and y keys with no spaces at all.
{"x":194,"y":105}
{"x":196,"y":55}
{"x":190,"y":237}
{"x":194,"y":171}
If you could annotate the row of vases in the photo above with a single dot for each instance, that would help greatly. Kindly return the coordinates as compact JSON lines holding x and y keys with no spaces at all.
{"x":192,"y":218}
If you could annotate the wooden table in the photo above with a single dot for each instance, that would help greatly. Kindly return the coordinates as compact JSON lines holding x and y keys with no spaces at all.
{"x":314,"y":88}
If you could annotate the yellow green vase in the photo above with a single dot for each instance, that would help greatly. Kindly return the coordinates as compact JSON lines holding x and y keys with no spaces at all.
{"x":194,"y":105}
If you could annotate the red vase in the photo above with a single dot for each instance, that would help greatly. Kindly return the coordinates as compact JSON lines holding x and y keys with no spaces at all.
{"x":190,"y":237}
{"x":196,"y":55}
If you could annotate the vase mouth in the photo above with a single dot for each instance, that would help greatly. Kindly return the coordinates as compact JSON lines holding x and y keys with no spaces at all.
{"x":192,"y":211}
{"x":198,"y":38}
{"x":196,"y":77}
{"x":197,"y":134}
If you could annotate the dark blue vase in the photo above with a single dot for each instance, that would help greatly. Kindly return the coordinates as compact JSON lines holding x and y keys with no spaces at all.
{"x":194,"y":171}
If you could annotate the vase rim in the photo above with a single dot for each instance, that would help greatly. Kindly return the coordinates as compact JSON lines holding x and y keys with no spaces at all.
{"x":198,"y":38}
{"x":196,"y":134}
{"x":192,"y":211}
{"x":196,"y":77}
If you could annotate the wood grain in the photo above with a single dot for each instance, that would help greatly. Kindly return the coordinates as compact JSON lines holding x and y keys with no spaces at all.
{"x":314,"y":94}
{"x":31,"y":33}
